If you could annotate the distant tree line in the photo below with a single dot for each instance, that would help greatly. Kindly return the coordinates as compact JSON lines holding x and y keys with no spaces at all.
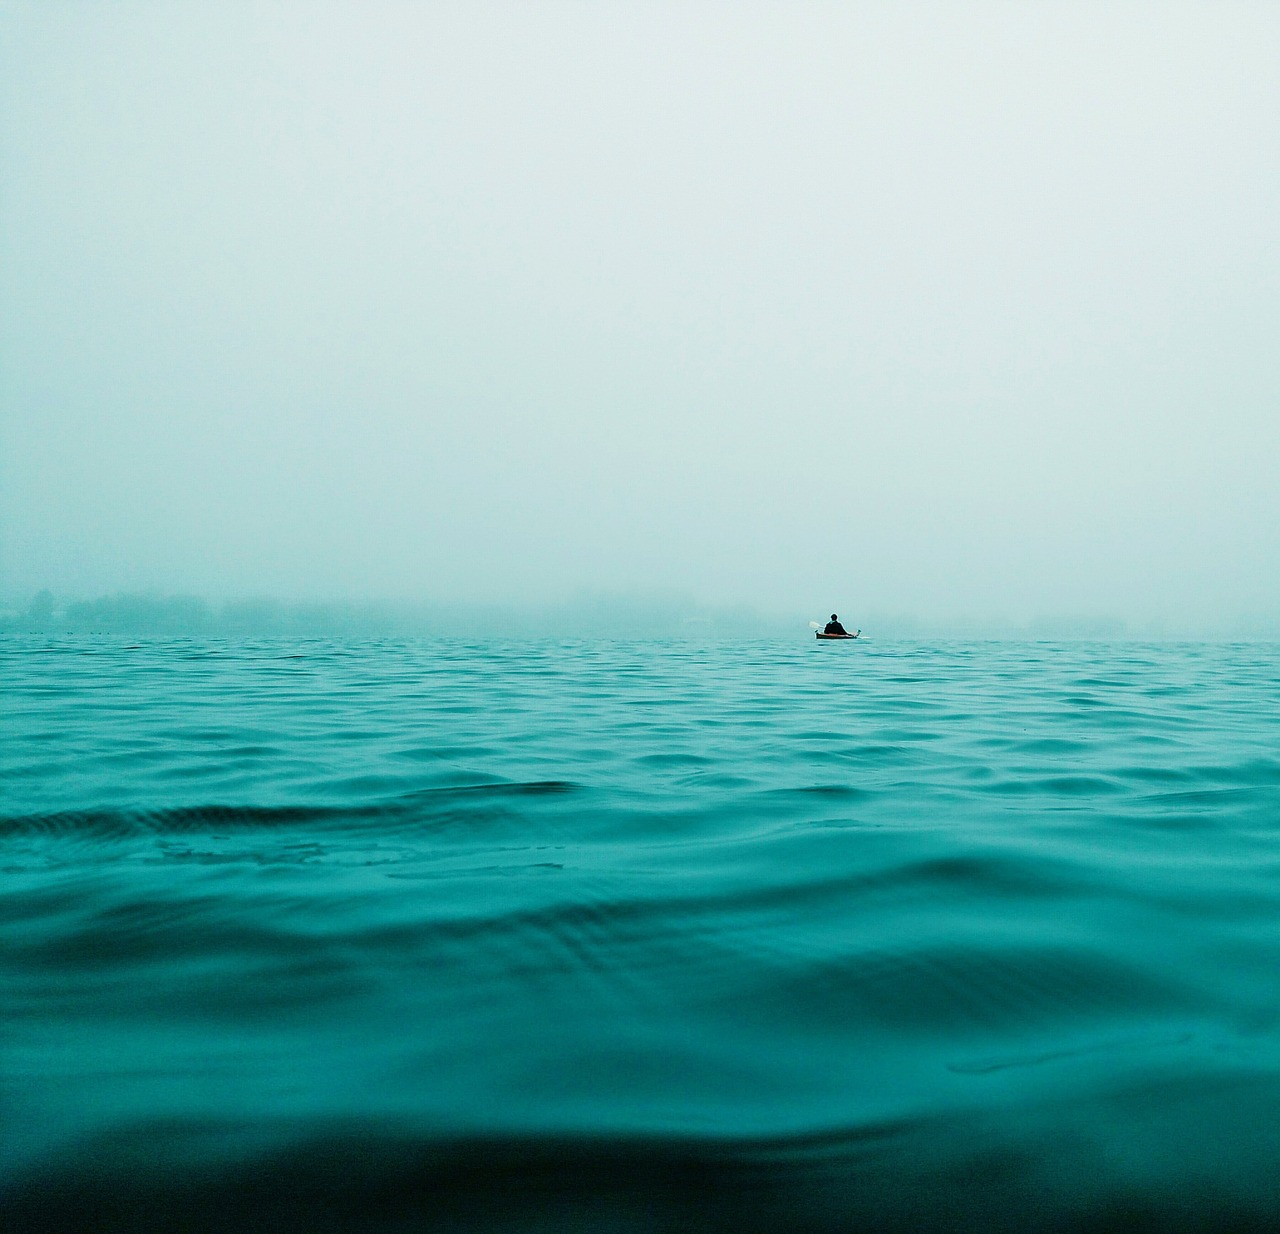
{"x":149,"y":613}
{"x":177,"y":615}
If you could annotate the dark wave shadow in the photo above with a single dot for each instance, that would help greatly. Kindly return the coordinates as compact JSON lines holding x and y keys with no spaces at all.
{"x":107,"y":823}
{"x":961,"y":1173}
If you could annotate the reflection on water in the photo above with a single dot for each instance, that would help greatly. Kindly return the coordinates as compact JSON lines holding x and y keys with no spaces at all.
{"x":768,"y":936}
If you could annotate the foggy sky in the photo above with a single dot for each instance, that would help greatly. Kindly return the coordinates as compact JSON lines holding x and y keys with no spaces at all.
{"x":943,"y":310}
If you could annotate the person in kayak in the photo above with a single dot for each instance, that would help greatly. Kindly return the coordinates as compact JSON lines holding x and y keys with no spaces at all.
{"x":834,"y":626}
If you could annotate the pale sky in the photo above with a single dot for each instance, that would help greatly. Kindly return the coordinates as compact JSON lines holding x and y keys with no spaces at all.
{"x":936,"y":309}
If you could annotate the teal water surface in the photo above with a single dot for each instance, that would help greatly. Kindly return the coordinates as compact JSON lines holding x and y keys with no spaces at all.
{"x":794,"y":936}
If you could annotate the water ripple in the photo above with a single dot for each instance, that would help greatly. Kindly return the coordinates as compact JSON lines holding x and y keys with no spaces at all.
{"x":496,"y":936}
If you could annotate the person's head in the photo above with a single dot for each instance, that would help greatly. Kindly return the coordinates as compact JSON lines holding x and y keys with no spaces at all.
{"x":834,"y":617}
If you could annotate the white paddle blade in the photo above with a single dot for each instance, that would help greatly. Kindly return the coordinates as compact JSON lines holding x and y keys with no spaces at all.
{"x":815,"y":625}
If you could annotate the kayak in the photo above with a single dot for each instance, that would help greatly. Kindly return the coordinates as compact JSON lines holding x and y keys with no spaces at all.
{"x":820,"y":634}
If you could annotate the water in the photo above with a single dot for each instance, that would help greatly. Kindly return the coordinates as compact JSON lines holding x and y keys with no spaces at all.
{"x":321,"y":935}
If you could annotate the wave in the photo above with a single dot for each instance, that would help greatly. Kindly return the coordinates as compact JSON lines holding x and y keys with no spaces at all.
{"x":103,"y":823}
{"x":959,"y":1172}
{"x":636,"y":937}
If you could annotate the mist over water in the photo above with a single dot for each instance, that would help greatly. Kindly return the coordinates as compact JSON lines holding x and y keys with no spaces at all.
{"x":426,"y":433}
{"x":947,"y":311}
{"x":587,"y":615}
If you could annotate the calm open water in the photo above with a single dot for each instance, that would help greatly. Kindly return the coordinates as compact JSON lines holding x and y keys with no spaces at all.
{"x":778,"y":936}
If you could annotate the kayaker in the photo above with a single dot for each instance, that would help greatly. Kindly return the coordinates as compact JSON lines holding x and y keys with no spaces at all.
{"x":834,"y":626}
